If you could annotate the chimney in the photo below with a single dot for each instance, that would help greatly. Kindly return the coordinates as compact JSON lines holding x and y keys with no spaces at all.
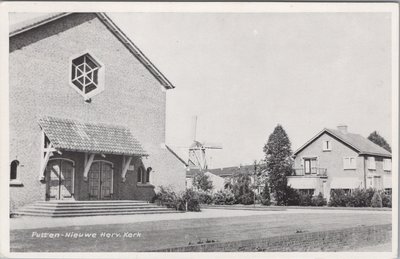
{"x":342,"y":128}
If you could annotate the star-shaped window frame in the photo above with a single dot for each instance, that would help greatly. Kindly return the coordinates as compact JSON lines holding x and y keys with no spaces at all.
{"x":87,"y":75}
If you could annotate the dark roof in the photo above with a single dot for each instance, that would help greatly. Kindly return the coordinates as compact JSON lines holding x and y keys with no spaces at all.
{"x":357,"y":142}
{"x":225,"y":172}
{"x":70,"y":135}
{"x":28,"y":24}
{"x":111,"y":26}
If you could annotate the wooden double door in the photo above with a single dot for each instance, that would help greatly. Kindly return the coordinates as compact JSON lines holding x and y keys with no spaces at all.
{"x":101,"y":180}
{"x":60,"y":177}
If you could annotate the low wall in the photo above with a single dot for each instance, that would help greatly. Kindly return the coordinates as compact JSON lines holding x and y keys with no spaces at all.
{"x":268,"y":208}
{"x":322,"y":241}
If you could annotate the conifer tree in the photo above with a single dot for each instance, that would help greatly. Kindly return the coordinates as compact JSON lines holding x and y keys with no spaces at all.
{"x":279,"y":162}
{"x":379,"y":140}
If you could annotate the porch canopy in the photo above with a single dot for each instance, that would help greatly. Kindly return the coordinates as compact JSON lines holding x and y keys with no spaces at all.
{"x":70,"y":135}
{"x":90,"y":138}
{"x":303,"y":182}
{"x":346,"y":183}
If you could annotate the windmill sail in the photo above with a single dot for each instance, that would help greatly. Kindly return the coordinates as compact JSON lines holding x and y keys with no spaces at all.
{"x":197,"y":150}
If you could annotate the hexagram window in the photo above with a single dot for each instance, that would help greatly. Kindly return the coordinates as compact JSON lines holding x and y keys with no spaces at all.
{"x":85,"y":73}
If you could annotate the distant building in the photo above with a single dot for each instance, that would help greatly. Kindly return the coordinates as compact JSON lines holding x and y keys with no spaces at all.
{"x":87,"y":113}
{"x":223,"y":177}
{"x":338,"y":159}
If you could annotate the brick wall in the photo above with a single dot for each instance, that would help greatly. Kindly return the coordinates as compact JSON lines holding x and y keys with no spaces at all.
{"x":39,"y":65}
{"x":323,"y":241}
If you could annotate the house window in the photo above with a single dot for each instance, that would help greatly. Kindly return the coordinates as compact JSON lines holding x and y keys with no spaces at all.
{"x":349,"y":163}
{"x":371,"y":163}
{"x":306,"y":191}
{"x":148,"y":174}
{"x":143,"y":175}
{"x":310,"y":165}
{"x":86,"y":75}
{"x":14,"y":174}
{"x":326,"y":145}
{"x":346,"y":191}
{"x":13,"y":169}
{"x":387,"y":164}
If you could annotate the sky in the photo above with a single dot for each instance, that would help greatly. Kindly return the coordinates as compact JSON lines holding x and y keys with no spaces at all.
{"x":242,"y":74}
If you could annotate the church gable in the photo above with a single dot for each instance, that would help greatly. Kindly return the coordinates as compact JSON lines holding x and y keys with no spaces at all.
{"x":75,"y":67}
{"x":63,"y":24}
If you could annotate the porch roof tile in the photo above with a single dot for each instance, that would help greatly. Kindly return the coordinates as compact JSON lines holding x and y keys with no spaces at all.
{"x":71,"y":135}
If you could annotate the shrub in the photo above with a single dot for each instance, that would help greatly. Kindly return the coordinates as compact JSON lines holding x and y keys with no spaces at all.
{"x":292,"y":196}
{"x":265,"y":196}
{"x":247,"y":198}
{"x":224,"y":197}
{"x":318,"y":200}
{"x":369,"y":194}
{"x":202,"y":182}
{"x":376,"y":200}
{"x":205,"y":197}
{"x":166,"y":197}
{"x":338,"y":198}
{"x":242,"y":190}
{"x":188,"y":200}
{"x":386,"y":200}
{"x":304,"y":199}
{"x":266,"y":202}
{"x":359,"y":198}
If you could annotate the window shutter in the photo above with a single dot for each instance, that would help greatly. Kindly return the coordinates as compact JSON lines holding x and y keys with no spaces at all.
{"x":345,"y":163}
{"x":387,"y":164}
{"x":354,"y":163}
{"x":371,"y":163}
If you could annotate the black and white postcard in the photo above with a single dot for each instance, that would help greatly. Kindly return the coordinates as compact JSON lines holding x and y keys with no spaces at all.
{"x":146,"y":129}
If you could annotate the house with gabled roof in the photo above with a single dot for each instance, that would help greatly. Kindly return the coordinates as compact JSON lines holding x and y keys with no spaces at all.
{"x":87,"y":114}
{"x":338,"y":159}
{"x":222,"y":178}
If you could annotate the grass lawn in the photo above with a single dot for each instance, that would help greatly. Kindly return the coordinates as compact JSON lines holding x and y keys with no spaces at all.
{"x":172,"y":233}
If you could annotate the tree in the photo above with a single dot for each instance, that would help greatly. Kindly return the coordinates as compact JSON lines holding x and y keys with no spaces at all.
{"x":258,"y":179}
{"x":201,"y":181}
{"x":379,"y":140}
{"x":376,"y":200}
{"x":279,"y":162}
{"x":241,"y":188}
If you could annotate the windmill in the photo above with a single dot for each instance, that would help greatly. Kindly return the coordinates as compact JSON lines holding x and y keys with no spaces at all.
{"x":197,"y":150}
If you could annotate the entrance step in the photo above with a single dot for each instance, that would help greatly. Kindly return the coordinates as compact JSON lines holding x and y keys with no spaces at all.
{"x":91,"y":208}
